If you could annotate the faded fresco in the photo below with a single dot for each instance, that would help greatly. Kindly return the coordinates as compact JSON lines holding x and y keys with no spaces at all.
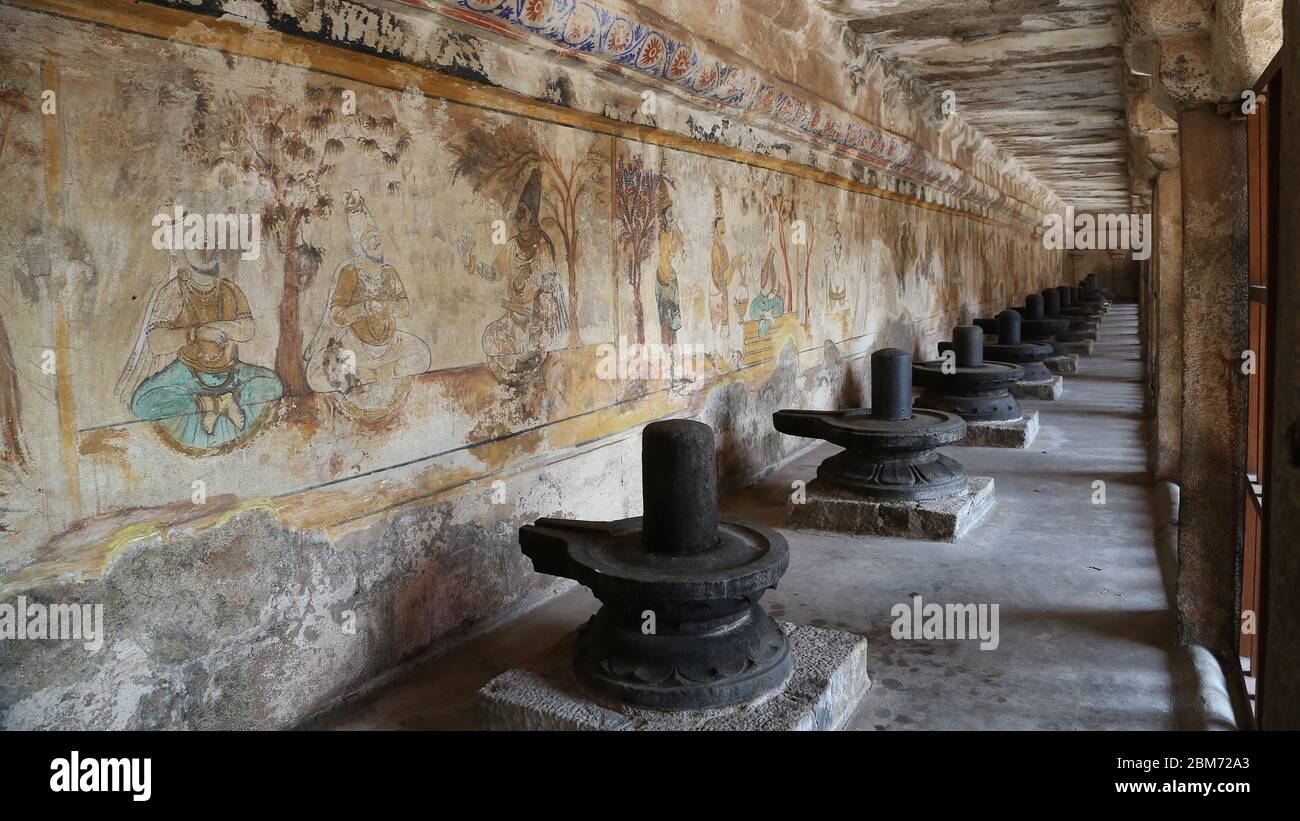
{"x":428,"y":321}
{"x":430,"y":274}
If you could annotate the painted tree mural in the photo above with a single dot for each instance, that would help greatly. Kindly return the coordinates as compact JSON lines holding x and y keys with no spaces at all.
{"x":294,"y":150}
{"x":783,"y":210}
{"x":636,"y":206}
{"x":14,"y":105}
{"x":497,"y":161}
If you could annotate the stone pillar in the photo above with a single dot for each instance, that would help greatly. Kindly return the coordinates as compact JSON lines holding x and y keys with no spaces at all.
{"x":1279,"y":687}
{"x":1167,"y":322}
{"x":1146,"y":338}
{"x":1214,"y":334}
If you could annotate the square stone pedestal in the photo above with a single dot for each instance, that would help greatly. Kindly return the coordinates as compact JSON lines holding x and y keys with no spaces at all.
{"x":827,"y":683}
{"x":832,"y":510}
{"x":1063,"y":363}
{"x":1042,"y":389}
{"x":1084,"y":347}
{"x":1017,"y":433}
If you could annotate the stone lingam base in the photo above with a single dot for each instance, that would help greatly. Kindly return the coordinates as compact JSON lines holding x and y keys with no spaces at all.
{"x":1013,"y":433}
{"x":1083,"y":347}
{"x":828,"y":681}
{"x":1050,"y":389}
{"x":945,"y":519}
{"x":1063,"y":363}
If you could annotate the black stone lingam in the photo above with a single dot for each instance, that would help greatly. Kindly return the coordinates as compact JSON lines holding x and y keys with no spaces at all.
{"x":1077,"y":299}
{"x":1052,"y":309}
{"x":680,"y":626}
{"x":1036,"y":327}
{"x":889,"y":449}
{"x":1092,"y":309}
{"x":975,"y":390}
{"x":1010,"y":347}
{"x":1095,"y":282}
{"x":1089,"y":295}
{"x":1070,"y":303}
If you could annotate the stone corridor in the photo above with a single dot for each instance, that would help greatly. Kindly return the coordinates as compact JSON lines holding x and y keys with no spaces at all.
{"x":1086,"y":626}
{"x":649,"y":365}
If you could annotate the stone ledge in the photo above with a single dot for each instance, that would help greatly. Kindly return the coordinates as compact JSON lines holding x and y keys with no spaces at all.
{"x":942,"y":520}
{"x":1202,"y":695}
{"x":1063,"y":363}
{"x":1049,"y":389}
{"x":1017,"y":433}
{"x":828,"y":682}
{"x":1084,"y":347}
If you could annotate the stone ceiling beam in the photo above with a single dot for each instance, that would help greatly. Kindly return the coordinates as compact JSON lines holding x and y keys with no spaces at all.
{"x":1041,"y":78}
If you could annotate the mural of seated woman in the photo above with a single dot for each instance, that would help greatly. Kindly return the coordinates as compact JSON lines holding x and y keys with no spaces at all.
{"x":185,"y":373}
{"x":768,"y":305}
{"x":358,"y":351}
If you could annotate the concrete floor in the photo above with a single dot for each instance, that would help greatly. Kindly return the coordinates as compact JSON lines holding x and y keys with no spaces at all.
{"x":1085,"y":622}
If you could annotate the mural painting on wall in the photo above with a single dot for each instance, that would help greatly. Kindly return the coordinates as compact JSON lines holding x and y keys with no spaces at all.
{"x":185,"y":372}
{"x":773,"y":295}
{"x":290,"y":152}
{"x":359,"y":354}
{"x":905,"y":254}
{"x":385,"y":290}
{"x":646,"y":224}
{"x":988,"y":269}
{"x":636,"y":195}
{"x":835,"y":288}
{"x":540,"y":312}
{"x":671,"y":245}
{"x":725,"y":266}
{"x":12,"y":450}
{"x":14,"y":150}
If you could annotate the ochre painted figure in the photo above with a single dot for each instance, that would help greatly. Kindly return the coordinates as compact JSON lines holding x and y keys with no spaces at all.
{"x":768,"y":305}
{"x":516,"y":344}
{"x":205,"y":397}
{"x":358,"y":343}
{"x":724,"y":267}
{"x":667,"y":293}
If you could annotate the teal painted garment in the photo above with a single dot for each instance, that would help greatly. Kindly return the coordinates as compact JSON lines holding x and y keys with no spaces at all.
{"x":670,"y":311}
{"x":766,"y":307}
{"x":168,"y":398}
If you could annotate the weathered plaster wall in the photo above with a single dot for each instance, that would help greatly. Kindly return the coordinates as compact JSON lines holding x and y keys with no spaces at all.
{"x":351,"y":519}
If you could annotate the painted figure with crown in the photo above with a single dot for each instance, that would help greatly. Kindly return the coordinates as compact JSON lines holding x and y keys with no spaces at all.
{"x":185,"y":372}
{"x":516,"y":344}
{"x":358,"y":352}
{"x":724,"y":266}
{"x":667,"y":290}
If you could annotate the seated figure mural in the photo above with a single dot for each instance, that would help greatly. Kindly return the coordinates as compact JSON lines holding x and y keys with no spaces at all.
{"x":185,"y":372}
{"x":768,"y":305}
{"x":517,"y":343}
{"x":359,"y":353}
